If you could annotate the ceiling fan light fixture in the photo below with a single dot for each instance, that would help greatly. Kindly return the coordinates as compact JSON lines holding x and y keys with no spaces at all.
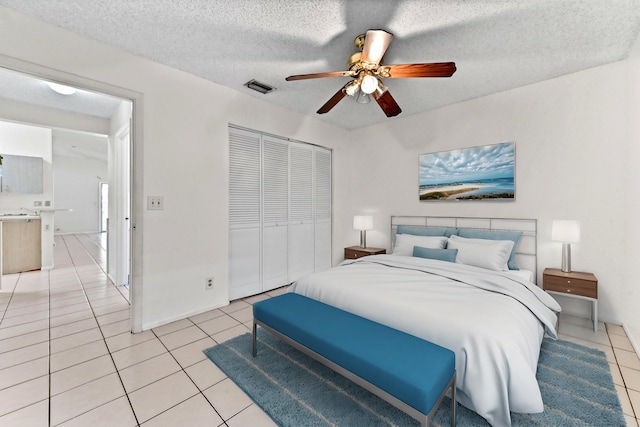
{"x":352,"y":88}
{"x":363,"y":97}
{"x":263,"y":88}
{"x":367,"y":69}
{"x":369,"y":84}
{"x":380,"y":89}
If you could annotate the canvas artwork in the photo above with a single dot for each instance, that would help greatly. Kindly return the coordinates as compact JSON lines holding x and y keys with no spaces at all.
{"x":477,"y":173}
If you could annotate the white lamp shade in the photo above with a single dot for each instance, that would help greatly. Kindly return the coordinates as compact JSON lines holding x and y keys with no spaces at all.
{"x":565,"y":231}
{"x":362,"y":98}
{"x":363,"y":222}
{"x":369,"y":84}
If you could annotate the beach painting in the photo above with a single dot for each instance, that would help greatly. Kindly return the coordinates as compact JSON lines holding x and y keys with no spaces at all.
{"x":478,"y":173}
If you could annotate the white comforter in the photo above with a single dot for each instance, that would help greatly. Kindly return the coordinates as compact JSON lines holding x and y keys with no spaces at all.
{"x":493,"y":321}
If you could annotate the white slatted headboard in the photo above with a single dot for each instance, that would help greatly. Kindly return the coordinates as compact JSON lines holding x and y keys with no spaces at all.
{"x":526,"y":251}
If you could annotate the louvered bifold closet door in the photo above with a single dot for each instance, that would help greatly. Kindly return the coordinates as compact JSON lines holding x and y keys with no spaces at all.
{"x":275,"y":212}
{"x":244,"y":213}
{"x":322,"y":199}
{"x":301,"y":218}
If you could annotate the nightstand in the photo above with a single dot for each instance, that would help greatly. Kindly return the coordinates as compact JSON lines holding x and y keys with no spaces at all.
{"x":575,"y":284}
{"x":355,"y":252}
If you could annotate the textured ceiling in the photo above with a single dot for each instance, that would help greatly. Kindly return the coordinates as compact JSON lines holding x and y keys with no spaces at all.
{"x":496,"y":45}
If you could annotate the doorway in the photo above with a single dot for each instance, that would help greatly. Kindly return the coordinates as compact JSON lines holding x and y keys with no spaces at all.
{"x":114,"y":216}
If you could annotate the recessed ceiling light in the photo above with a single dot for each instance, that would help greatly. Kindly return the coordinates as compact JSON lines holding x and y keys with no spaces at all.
{"x":62,"y":89}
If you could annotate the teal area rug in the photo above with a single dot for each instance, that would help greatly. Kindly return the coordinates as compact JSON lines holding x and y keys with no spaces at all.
{"x":295,"y":390}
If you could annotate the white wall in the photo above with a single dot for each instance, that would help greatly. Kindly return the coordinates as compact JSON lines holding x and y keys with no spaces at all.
{"x":576,"y":158}
{"x":630,"y":289}
{"x":76,"y":187}
{"x":183,"y":145}
{"x":48,"y":117}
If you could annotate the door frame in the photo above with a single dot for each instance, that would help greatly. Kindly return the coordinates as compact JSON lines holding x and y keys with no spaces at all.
{"x":122,"y":220}
{"x":136,"y":163}
{"x":101,"y":201}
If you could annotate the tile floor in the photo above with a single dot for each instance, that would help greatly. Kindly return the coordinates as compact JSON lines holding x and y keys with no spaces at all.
{"x":67,"y":357}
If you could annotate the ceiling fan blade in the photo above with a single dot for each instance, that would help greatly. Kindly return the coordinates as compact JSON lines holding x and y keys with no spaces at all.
{"x":435,"y":69}
{"x":319,"y":75}
{"x":386,"y":102}
{"x":376,"y":43}
{"x":334,"y":100}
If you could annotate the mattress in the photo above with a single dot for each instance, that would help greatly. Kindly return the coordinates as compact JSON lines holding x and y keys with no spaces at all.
{"x":493,"y":321}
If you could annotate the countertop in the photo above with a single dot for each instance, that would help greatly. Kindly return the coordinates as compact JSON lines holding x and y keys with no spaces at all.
{"x":13,"y":217}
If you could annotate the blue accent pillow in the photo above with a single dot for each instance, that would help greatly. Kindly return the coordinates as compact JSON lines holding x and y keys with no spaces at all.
{"x":514,"y":236}
{"x":439,"y":254}
{"x":425,"y":231}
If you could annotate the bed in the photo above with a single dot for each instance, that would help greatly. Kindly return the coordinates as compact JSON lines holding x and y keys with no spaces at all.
{"x":492,"y":316}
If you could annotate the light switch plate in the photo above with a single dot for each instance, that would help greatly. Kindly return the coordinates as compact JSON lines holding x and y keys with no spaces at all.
{"x":155,"y":203}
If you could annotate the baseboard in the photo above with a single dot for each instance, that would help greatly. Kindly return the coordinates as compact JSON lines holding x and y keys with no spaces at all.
{"x":66,"y":233}
{"x":151,"y":325}
{"x":634,"y":343}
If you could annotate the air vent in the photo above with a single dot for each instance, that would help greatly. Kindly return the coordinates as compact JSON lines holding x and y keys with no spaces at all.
{"x":259,"y":87}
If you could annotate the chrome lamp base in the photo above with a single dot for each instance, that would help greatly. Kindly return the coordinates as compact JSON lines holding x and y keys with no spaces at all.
{"x":566,"y":257}
{"x":363,"y":239}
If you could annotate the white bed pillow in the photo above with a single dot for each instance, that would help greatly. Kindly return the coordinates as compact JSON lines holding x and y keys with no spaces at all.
{"x":405,"y":243}
{"x":489,"y":254}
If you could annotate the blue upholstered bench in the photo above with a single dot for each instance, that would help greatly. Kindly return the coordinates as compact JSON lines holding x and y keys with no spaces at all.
{"x":408,"y":372}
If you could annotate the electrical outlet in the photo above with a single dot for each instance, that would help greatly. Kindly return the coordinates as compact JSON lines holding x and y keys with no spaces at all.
{"x":155,"y":203}
{"x":208,"y":283}
{"x":37,"y":203}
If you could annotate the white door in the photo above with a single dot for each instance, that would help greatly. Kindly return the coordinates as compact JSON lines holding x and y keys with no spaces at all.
{"x":279,"y":211}
{"x":275,"y":212}
{"x":322,"y":208}
{"x":122,"y":198}
{"x":104,"y":205}
{"x":301,"y":227}
{"x":244,"y":213}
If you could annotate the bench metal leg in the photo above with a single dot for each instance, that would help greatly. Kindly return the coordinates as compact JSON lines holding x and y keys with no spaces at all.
{"x":454,"y":403}
{"x":426,"y":420}
{"x":254,"y":348}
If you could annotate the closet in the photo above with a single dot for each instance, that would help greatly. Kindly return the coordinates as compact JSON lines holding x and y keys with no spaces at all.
{"x":279,"y":211}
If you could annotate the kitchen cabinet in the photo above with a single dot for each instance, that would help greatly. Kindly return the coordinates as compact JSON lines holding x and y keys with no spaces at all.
{"x":21,"y":245}
{"x":21,"y":174}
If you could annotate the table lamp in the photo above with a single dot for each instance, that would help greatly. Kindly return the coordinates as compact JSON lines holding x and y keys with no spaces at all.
{"x":363,"y":223}
{"x":566,"y":232}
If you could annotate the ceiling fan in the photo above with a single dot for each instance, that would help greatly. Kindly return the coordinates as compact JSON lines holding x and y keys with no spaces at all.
{"x":366,"y":68}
